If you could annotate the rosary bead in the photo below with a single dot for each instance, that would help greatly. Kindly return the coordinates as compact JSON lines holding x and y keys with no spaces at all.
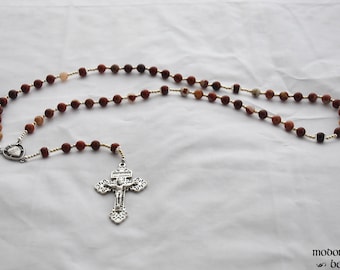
{"x":255,"y":92}
{"x":38,"y":84}
{"x":0,"y":127}
{"x":103,"y":101}
{"x":326,"y":99}
{"x":1,"y":136}
{"x":191,"y":80}
{"x":212,"y":97}
{"x":25,"y":88}
{"x":39,"y":120}
{"x":141,"y":68}
{"x":298,"y":97}
{"x":29,"y":128}
{"x":66,"y":148}
{"x":276,"y":120}
{"x":114,"y":68}
{"x":128,"y":68}
{"x":164,"y":90}
{"x":284,"y":96}
{"x":250,"y":110}
{"x":337,"y":132}
{"x":289,"y":125}
{"x":184,"y":92}
{"x":82,"y":72}
{"x":236,"y":88}
{"x":216,"y":86}
{"x":312,"y":97}
{"x":75,"y":104}
{"x":117,"y":99}
{"x":178,"y":78}
{"x":114,"y":147}
{"x":165,"y":74}
{"x":225,"y":100}
{"x":336,"y":103}
{"x":63,"y":76}
{"x":1,"y":110}
{"x":50,"y":79}
{"x":89,"y":103}
{"x":269,"y":94}
{"x":238,"y":104}
{"x":44,"y":152}
{"x":80,"y":145}
{"x":131,"y":97}
{"x":13,"y":94}
{"x":145,"y":94}
{"x":49,"y":113}
{"x":3,"y":101}
{"x":204,"y":84}
{"x":153,"y":71}
{"x":198,"y":94}
{"x":95,"y":145}
{"x":61,"y":107}
{"x":300,"y":132}
{"x":320,"y":137}
{"x":101,"y":68}
{"x":263,"y":114}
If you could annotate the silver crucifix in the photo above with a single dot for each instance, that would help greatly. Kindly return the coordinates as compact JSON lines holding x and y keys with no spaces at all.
{"x":120,"y":182}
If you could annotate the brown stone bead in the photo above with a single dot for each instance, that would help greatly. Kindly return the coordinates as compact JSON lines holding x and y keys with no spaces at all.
{"x":165,"y":74}
{"x":39,"y":120}
{"x":101,"y":68}
{"x":238,"y":104}
{"x":13,"y":94}
{"x":263,"y":114}
{"x":250,"y":110}
{"x":153,"y":71}
{"x":3,"y":101}
{"x":44,"y":152}
{"x":49,"y":113}
{"x":95,"y":145}
{"x":131,"y":97}
{"x":276,"y":120}
{"x":289,"y":125}
{"x":284,"y":96}
{"x":66,"y":148}
{"x":1,"y":136}
{"x":80,"y":145}
{"x":300,"y":132}
{"x":298,"y":97}
{"x":326,"y":99}
{"x":128,"y":68}
{"x":337,"y":132}
{"x":269,"y":94}
{"x":114,"y":147}
{"x":61,"y":107}
{"x":117,"y":99}
{"x":82,"y":72}
{"x":114,"y":68}
{"x":212,"y":97}
{"x":198,"y":94}
{"x":236,"y":88}
{"x":103,"y":101}
{"x":191,"y":80}
{"x":164,"y":90}
{"x":89,"y":103}
{"x":0,"y":127}
{"x":204,"y":84}
{"x":312,"y":97}
{"x":216,"y":86}
{"x":1,"y":110}
{"x":50,"y":79}
{"x":141,"y":68}
{"x":25,"y":88}
{"x":178,"y":78}
{"x":29,"y":128}
{"x":75,"y":104}
{"x":336,"y":103}
{"x":225,"y":100}
{"x":38,"y":84}
{"x":145,"y":94}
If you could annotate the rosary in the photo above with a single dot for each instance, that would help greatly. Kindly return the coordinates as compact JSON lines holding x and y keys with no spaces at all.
{"x":121,"y":179}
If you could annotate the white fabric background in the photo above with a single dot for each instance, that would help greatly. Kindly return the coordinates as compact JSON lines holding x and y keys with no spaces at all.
{"x":226,"y":191}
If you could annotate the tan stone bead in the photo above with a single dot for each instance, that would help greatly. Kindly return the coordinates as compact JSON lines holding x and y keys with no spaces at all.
{"x":63,"y":76}
{"x":39,"y":120}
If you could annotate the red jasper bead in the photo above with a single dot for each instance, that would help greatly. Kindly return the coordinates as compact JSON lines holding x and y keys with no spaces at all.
{"x":216,"y":86}
{"x":61,"y":107}
{"x":95,"y":145}
{"x":3,"y":101}
{"x":50,"y":79}
{"x":25,"y":88}
{"x":298,"y":97}
{"x":141,"y":68}
{"x":80,"y":145}
{"x":165,"y":74}
{"x":204,"y":84}
{"x":198,"y":94}
{"x":326,"y":99}
{"x":38,"y":84}
{"x":300,"y":132}
{"x":337,"y":132}
{"x":114,"y":68}
{"x":13,"y":94}
{"x":289,"y":125}
{"x":284,"y":96}
{"x":276,"y":120}
{"x":131,"y":97}
{"x":178,"y":78}
{"x":269,"y":94}
{"x":238,"y":104}
{"x":153,"y":71}
{"x":250,"y":110}
{"x":191,"y":80}
{"x":89,"y":103}
{"x":236,"y":88}
{"x":44,"y":152}
{"x":66,"y":148}
{"x":101,"y":68}
{"x":336,"y":103}
{"x":114,"y":147}
{"x":49,"y":113}
{"x":225,"y":100}
{"x":212,"y":97}
{"x":82,"y":72}
{"x":164,"y":90}
{"x":117,"y":99}
{"x":128,"y":68}
{"x":29,"y":128}
{"x":75,"y":104}
{"x":103,"y":101}
{"x":145,"y":94}
{"x":263,"y":114}
{"x":312,"y":97}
